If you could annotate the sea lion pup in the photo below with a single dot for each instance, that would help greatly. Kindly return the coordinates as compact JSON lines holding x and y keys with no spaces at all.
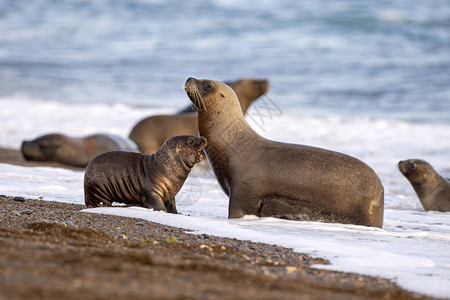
{"x":150,"y":133}
{"x":432,"y":189}
{"x":267,"y":178}
{"x":247,"y":91}
{"x":72,"y":151}
{"x":151,"y":181}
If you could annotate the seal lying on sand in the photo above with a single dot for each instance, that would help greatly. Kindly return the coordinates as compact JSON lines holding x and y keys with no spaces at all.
{"x":72,"y":151}
{"x":432,"y":189}
{"x":147,"y":180}
{"x":267,"y":178}
{"x":150,"y":133}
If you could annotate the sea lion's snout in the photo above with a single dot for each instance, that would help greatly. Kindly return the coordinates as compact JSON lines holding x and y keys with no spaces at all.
{"x":189,"y":79}
{"x":192,"y":90}
{"x":408,"y":167}
{"x":262,"y":86}
{"x":30,"y":151}
{"x":202,"y":143}
{"x":189,"y":84}
{"x":401,"y":166}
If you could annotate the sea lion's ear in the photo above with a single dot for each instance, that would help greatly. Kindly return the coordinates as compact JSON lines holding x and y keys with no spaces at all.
{"x":221,"y":94}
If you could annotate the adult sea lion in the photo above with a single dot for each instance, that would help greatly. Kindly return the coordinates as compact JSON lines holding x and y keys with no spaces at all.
{"x":148,"y":180}
{"x":247,"y":91}
{"x":150,"y":133}
{"x":72,"y":151}
{"x":432,"y":189}
{"x":268,"y":178}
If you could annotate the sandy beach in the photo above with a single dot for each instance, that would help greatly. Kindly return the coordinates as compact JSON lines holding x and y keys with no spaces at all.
{"x":55,"y":250}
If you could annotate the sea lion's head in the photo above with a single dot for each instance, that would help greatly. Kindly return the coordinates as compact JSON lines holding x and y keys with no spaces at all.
{"x":416,"y":170}
{"x":50,"y":147}
{"x":248,"y":90}
{"x":188,"y":148}
{"x":212,"y":96}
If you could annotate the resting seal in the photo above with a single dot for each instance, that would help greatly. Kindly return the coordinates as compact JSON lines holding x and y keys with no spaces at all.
{"x":147,"y":180}
{"x":150,"y":133}
{"x":267,"y":178}
{"x":432,"y":189}
{"x":72,"y":151}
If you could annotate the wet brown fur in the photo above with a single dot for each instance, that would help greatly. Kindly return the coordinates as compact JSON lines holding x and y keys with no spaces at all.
{"x":151,"y":181}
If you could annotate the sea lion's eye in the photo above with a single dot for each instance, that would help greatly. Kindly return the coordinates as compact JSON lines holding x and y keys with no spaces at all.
{"x":412,"y":166}
{"x":208,"y":85}
{"x":190,"y":141}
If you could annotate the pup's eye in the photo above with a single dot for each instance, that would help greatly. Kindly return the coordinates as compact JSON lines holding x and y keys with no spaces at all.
{"x":412,"y":166}
{"x":191,"y":141}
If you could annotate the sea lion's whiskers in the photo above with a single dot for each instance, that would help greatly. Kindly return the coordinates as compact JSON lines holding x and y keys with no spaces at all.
{"x":197,"y":100}
{"x":201,"y":101}
{"x":193,"y":95}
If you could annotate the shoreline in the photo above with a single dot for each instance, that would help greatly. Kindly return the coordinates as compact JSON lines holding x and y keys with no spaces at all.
{"x":99,"y":256}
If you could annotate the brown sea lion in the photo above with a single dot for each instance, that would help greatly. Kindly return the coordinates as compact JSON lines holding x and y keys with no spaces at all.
{"x":150,"y":133}
{"x":72,"y":151}
{"x":267,"y":178}
{"x":247,"y":91}
{"x":147,"y":180}
{"x":432,"y":189}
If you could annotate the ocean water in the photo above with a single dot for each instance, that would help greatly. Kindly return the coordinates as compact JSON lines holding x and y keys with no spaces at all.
{"x":370,"y":79}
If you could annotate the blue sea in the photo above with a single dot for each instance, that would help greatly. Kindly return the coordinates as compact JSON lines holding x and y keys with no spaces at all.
{"x":370,"y":58}
{"x":366,"y":78}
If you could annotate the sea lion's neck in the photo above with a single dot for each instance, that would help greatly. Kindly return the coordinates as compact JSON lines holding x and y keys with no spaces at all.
{"x":427,"y":188}
{"x":223,"y":129}
{"x":170,"y":165}
{"x":227,"y":135}
{"x":170,"y":171}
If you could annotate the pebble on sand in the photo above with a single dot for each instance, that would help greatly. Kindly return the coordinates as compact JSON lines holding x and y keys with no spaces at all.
{"x":19,"y":199}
